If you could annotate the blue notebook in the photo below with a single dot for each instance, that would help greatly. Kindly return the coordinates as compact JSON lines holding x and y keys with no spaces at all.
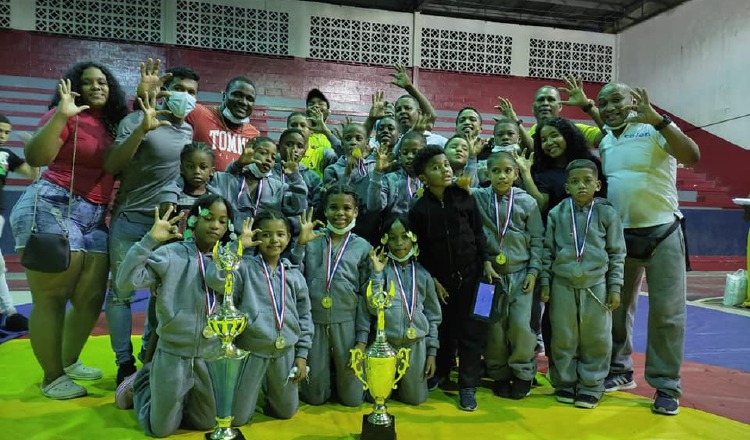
{"x":484,"y":301}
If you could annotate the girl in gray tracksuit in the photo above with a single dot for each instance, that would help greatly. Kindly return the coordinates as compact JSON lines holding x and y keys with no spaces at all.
{"x":412,"y":319}
{"x":279,"y":332}
{"x":337,"y":269}
{"x":175,"y":389}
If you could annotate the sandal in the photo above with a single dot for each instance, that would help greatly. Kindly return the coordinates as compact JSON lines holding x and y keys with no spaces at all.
{"x":63,"y":388}
{"x":79,"y":371}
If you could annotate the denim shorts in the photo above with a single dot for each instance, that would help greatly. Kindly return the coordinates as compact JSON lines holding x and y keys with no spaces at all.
{"x":86,"y":228}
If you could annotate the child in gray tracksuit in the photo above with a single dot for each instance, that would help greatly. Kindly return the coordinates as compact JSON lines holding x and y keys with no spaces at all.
{"x":513,"y":227}
{"x":412,"y":319}
{"x":279,"y":332}
{"x":337,"y":269}
{"x":584,"y":258}
{"x":175,"y":388}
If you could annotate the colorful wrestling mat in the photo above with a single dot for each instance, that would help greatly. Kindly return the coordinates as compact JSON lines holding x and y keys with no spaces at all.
{"x":716,"y":380}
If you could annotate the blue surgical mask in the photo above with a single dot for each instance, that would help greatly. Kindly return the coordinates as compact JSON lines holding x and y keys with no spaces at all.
{"x":180,"y":104}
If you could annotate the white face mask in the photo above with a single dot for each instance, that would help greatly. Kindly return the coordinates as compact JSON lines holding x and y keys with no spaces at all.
{"x":507,"y":148}
{"x":253,"y":168}
{"x":405,"y":257}
{"x":343,"y":231}
{"x":232,"y":118}
{"x":180,"y":104}
{"x":630,"y":114}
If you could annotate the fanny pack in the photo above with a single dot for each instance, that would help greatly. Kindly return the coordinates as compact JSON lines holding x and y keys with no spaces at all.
{"x":643,"y":247}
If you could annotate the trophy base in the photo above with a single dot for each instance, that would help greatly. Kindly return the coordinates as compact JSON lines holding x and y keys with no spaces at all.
{"x":378,"y":432}
{"x":225,"y":434}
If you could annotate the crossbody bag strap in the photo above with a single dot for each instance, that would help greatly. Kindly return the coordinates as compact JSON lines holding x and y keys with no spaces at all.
{"x":70,"y":197}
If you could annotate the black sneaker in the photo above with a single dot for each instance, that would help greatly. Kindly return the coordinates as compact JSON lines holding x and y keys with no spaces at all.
{"x":467,"y":399}
{"x":520,"y":389}
{"x":502,"y":388}
{"x":125,"y":370}
{"x":665,"y":404}
{"x":565,"y":396}
{"x":586,"y":401}
{"x":619,"y":382}
{"x":434,"y":382}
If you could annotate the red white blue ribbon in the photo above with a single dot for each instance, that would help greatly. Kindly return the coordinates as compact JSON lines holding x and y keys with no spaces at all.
{"x":409,"y":304}
{"x":278,"y":313}
{"x":582,"y":245}
{"x":511,"y":200}
{"x":331,"y":270}
{"x":210,"y":295}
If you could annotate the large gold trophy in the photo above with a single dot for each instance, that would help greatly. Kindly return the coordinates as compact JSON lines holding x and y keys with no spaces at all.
{"x":225,"y":363}
{"x":383,"y":368}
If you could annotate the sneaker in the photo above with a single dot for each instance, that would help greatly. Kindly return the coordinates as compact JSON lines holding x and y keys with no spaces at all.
{"x":586,"y":401}
{"x":520,"y":389}
{"x":63,"y":388}
{"x":502,"y":388}
{"x":467,"y":399}
{"x":565,"y":396}
{"x":619,"y":382}
{"x":125,"y":370}
{"x":665,"y":404}
{"x":15,"y":323}
{"x":79,"y":371}
{"x":124,"y":393}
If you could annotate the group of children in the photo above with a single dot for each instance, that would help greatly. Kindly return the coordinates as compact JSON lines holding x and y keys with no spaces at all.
{"x":433,"y":221}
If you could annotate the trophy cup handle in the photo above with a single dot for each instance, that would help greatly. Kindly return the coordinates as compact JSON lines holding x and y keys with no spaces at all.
{"x":403,"y":356}
{"x":357,"y":360}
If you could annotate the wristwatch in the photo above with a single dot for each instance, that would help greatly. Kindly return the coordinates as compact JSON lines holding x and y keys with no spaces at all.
{"x":666,"y":120}
{"x":587,"y":108}
{"x":519,"y":122}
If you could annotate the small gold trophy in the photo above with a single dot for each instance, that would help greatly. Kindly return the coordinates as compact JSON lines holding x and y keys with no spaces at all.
{"x":225,"y":363}
{"x":382,"y":370}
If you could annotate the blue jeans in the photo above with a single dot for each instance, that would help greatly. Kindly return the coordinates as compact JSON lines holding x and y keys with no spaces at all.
{"x":123,"y":234}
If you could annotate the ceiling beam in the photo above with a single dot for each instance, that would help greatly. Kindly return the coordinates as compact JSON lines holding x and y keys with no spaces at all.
{"x":598,"y":5}
{"x":521,"y":18}
{"x":419,"y":4}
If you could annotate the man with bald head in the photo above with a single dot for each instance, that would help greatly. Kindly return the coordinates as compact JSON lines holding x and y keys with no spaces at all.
{"x":639,"y":152}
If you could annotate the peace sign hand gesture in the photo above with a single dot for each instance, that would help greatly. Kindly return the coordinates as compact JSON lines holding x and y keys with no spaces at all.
{"x":67,"y":106}
{"x":645,"y":113}
{"x":307,"y":227}
{"x":150,"y":113}
{"x":165,"y":228}
{"x":378,"y":258}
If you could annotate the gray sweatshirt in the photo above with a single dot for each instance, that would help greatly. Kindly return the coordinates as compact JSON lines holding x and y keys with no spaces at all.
{"x":254,"y":298}
{"x":393,"y":192}
{"x":523,"y":241}
{"x":174,"y":271}
{"x":427,"y":313}
{"x":604,"y":254}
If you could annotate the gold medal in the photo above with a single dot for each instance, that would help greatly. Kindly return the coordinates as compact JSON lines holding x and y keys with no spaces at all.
{"x":280,"y":342}
{"x":326,"y":302}
{"x":357,"y":153}
{"x":420,"y":192}
{"x":501,"y":259}
{"x":208,"y":333}
{"x":411,"y":332}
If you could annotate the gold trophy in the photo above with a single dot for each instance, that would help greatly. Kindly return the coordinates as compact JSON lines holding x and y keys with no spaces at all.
{"x":225,"y":363}
{"x":382,"y":370}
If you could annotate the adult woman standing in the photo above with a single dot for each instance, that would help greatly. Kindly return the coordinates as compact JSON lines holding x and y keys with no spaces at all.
{"x":71,"y":141}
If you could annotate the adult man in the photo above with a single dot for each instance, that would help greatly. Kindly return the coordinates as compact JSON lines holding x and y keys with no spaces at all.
{"x":145,"y":157}
{"x":639,"y":154}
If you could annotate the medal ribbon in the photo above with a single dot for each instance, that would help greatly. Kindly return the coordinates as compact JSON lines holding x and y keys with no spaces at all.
{"x":361,"y":167}
{"x":278,"y":314}
{"x":409,"y":305}
{"x":509,"y":211}
{"x":331,"y":271}
{"x":408,"y":186}
{"x":210,"y":295}
{"x":258,"y":194}
{"x":574,"y":226}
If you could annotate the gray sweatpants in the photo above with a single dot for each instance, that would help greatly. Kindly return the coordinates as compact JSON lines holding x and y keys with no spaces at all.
{"x":511,"y":341}
{"x":173,"y":391}
{"x":332,"y":342}
{"x":581,"y":342}
{"x":665,"y":273}
{"x":281,"y":392}
{"x":412,"y":389}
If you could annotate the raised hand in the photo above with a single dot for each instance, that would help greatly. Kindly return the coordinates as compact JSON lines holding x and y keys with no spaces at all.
{"x":385,"y":159}
{"x":576,"y":95}
{"x":165,"y":228}
{"x":317,"y":125}
{"x":506,"y":108}
{"x":307,"y":227}
{"x":645,"y":113}
{"x":400,"y":78}
{"x":246,"y":238}
{"x":424,"y":123}
{"x":524,"y":161}
{"x":377,"y":110}
{"x":289,"y":166}
{"x":248,"y":154}
{"x":151,"y":82}
{"x":67,"y":106}
{"x":378,"y":258}
{"x":150,"y":113}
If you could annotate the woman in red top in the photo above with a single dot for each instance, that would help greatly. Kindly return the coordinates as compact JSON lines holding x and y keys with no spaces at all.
{"x":80,"y":124}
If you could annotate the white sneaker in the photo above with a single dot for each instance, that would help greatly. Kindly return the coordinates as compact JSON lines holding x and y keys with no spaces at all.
{"x":124,"y":393}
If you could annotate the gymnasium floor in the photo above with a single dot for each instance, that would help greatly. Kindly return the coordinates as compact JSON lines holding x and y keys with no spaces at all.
{"x":716,"y":381}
